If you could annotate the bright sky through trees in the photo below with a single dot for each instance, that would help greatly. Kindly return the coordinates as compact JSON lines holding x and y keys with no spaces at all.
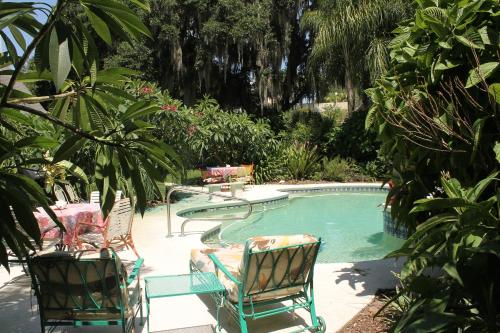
{"x":40,"y":17}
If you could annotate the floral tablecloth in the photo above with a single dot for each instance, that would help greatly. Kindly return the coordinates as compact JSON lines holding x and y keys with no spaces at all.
{"x":70,"y":216}
{"x":225,"y":172}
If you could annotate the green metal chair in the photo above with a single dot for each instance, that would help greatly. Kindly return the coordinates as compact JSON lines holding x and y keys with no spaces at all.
{"x":77,"y":291}
{"x":263,"y":274}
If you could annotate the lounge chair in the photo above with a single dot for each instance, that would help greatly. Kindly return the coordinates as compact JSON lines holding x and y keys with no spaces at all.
{"x":265,"y":271}
{"x":116,"y":232}
{"x":73,"y":291}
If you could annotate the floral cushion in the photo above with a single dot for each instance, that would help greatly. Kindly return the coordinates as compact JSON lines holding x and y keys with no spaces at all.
{"x":260,"y":282}
{"x":230,"y":256}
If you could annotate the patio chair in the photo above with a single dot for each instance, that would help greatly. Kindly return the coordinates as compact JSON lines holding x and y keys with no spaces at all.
{"x":245,"y":175}
{"x":59,"y":193}
{"x":263,"y":274}
{"x":76,"y":291}
{"x":95,"y":196}
{"x":116,"y":232}
{"x":72,"y":196}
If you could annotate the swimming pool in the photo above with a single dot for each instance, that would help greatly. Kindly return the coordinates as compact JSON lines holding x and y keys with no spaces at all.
{"x":350,"y":224}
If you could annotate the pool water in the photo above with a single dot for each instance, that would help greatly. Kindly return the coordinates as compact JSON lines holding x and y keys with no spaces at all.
{"x":350,"y":224}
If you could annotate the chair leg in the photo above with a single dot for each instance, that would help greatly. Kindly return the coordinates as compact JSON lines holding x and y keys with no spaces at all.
{"x":140,"y":310}
{"x":243,"y":324}
{"x":130,"y":242}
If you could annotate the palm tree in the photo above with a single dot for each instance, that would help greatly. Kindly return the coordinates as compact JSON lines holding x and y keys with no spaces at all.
{"x":357,"y":31}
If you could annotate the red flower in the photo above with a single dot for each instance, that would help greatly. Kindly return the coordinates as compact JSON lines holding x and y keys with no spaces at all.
{"x":146,"y":90}
{"x":191,"y":130}
{"x":169,"y":107}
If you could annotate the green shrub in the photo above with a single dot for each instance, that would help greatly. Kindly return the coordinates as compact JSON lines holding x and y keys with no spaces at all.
{"x":204,"y":133}
{"x":339,"y":169}
{"x":307,"y":126}
{"x":460,"y":243}
{"x":334,"y":113}
{"x":272,"y":166}
{"x":436,"y":112}
{"x":376,"y":168}
{"x":301,"y":161}
{"x":351,"y":139}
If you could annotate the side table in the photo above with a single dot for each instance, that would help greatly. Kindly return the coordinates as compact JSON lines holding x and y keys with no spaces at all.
{"x":184,"y":284}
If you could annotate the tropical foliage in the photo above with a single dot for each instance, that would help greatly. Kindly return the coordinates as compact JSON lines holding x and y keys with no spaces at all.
{"x":350,"y":41}
{"x":450,"y":278}
{"x":88,"y":104}
{"x":339,"y":169}
{"x":248,"y":54}
{"x":436,"y":115}
{"x":301,"y":160}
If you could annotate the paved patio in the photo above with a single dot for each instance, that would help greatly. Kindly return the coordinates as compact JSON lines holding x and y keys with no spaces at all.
{"x":341,"y":289}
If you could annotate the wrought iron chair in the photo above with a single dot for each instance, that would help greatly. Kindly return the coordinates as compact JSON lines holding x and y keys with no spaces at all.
{"x":116,"y":232}
{"x":75,"y":291}
{"x":266,"y":271}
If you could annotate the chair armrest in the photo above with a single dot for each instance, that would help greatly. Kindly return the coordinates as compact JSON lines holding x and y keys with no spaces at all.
{"x":135,"y":271}
{"x":90,"y":224}
{"x":81,"y":224}
{"x":224,"y":270}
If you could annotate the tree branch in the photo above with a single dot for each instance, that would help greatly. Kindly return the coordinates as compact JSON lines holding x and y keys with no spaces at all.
{"x":61,"y":123}
{"x":40,"y":99}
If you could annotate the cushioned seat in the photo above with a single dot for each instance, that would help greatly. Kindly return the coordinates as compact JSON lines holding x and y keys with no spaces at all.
{"x":231,"y":256}
{"x":89,"y":287}
{"x":261,"y":269}
{"x":264,"y":273}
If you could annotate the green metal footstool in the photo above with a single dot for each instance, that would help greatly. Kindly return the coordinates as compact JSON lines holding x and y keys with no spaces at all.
{"x":184,"y":284}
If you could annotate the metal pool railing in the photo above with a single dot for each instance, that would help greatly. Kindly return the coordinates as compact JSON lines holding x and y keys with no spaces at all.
{"x":218,"y":219}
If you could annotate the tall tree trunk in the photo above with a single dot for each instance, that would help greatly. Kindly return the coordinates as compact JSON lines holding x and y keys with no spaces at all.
{"x":351,"y":91}
{"x":350,"y":84}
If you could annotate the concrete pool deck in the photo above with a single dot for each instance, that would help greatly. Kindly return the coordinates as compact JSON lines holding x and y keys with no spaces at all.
{"x":341,"y":289}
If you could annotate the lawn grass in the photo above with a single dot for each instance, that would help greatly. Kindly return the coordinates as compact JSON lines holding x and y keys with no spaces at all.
{"x":193,"y":177}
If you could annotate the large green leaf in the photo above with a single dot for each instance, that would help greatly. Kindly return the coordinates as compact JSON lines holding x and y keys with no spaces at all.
{"x":59,"y":59}
{"x":471,"y":38}
{"x":122,"y":14}
{"x":438,"y":204}
{"x":496,"y":150}
{"x":74,"y":169}
{"x":37,"y":142}
{"x":18,"y":36}
{"x":494,"y":90}
{"x":99,"y":26}
{"x":481,"y":73}
{"x":68,"y":148}
{"x":142,"y":4}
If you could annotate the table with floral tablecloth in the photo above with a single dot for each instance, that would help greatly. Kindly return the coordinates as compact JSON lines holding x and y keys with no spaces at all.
{"x":225,"y":172}
{"x":69,"y":217}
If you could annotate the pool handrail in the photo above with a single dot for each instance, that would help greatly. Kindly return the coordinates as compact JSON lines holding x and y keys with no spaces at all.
{"x":191,"y":190}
